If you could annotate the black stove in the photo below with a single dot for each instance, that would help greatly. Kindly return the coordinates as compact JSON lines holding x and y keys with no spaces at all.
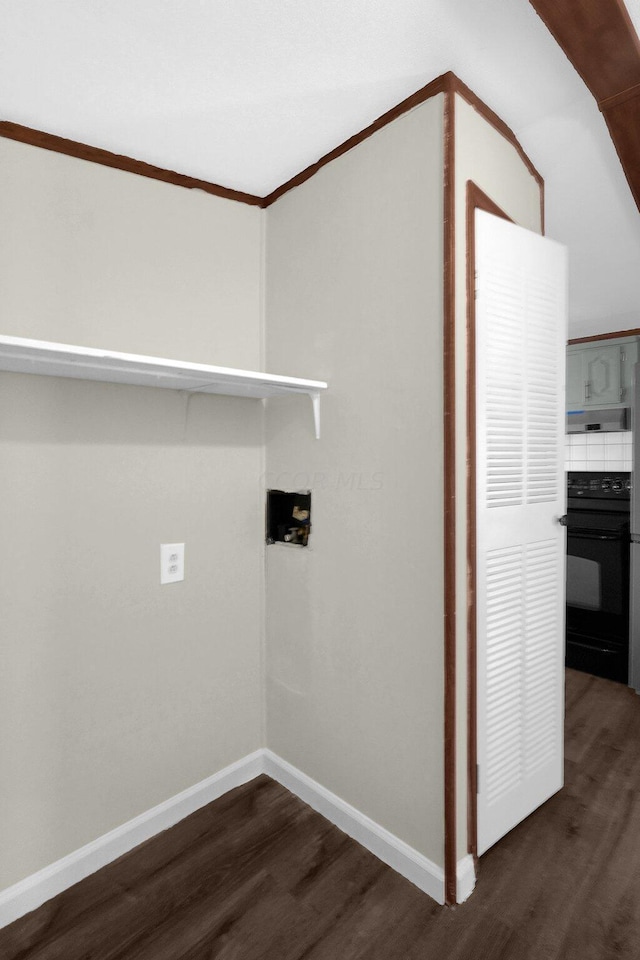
{"x":598,"y":515}
{"x":609,"y":487}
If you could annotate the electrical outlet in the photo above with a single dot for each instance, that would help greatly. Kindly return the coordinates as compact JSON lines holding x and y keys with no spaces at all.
{"x":171,"y":562}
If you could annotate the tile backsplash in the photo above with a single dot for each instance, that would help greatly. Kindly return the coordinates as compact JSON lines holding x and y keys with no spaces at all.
{"x":599,"y":451}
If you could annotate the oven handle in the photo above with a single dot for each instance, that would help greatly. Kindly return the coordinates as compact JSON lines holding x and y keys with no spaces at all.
{"x":589,"y":646}
{"x":589,"y":535}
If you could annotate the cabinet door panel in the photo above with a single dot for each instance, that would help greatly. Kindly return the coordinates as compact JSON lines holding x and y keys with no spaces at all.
{"x":602,"y":375}
{"x":629,"y":358}
{"x":575,"y":380}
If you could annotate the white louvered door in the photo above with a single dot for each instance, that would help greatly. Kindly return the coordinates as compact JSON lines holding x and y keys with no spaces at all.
{"x":520,"y":562}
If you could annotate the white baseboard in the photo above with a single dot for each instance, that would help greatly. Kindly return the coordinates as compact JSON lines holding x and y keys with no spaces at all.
{"x":466,"y":878}
{"x":385,"y":845}
{"x":36,"y":889}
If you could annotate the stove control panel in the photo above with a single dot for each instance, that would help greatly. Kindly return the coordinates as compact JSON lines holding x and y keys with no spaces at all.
{"x":599,"y":486}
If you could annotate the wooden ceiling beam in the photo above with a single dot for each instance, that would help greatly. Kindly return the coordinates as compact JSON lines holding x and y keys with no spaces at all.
{"x":599,"y":39}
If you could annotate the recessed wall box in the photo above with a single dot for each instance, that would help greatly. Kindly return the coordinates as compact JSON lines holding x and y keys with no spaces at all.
{"x":288,"y":517}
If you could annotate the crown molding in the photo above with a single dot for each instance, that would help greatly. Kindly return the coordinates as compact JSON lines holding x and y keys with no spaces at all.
{"x":446,"y":83}
{"x":82,"y":151}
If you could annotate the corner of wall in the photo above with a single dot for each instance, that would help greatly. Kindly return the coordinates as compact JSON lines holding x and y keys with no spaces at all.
{"x":261,"y":482}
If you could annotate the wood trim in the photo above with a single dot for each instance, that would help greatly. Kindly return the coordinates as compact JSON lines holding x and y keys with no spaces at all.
{"x":507,"y":133}
{"x":623,"y":123}
{"x":449,"y":509}
{"x":476,"y":199}
{"x":446,"y":83}
{"x":467,"y":94}
{"x":621,"y":97}
{"x":441,"y":84}
{"x":599,"y":39}
{"x":82,"y":151}
{"x":606,"y":336}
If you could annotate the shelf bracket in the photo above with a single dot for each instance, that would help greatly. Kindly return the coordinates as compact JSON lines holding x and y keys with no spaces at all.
{"x":315,"y":400}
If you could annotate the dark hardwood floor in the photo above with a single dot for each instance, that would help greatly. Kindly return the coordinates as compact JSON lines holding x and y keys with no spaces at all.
{"x":258,"y":874}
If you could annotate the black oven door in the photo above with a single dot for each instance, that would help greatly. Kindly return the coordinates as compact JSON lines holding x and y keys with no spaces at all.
{"x":598,"y":594}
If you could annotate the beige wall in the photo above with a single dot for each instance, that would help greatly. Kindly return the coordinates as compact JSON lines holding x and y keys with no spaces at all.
{"x":486,"y":157}
{"x":104,"y":258}
{"x":354,"y":622}
{"x":115,"y":692}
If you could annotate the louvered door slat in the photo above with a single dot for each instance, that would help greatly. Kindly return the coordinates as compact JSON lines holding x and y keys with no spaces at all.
{"x":520,"y":318}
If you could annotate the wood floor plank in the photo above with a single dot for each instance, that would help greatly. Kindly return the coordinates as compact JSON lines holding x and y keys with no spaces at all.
{"x":368,"y":924}
{"x":258,"y":875}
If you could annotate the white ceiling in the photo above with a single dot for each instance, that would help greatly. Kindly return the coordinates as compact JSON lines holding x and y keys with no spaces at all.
{"x":246,"y":93}
{"x":633,"y":7}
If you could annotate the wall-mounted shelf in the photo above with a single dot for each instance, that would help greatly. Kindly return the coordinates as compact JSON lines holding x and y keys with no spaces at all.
{"x":18,"y":355}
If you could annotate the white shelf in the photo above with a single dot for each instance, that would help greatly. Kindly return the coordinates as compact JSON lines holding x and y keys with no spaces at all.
{"x":19,"y":355}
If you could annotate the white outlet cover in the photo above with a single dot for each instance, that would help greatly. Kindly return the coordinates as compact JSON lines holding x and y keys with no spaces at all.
{"x":171,"y":562}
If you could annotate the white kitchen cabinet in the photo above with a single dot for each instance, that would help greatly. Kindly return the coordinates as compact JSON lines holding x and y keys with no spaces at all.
{"x":600,"y":375}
